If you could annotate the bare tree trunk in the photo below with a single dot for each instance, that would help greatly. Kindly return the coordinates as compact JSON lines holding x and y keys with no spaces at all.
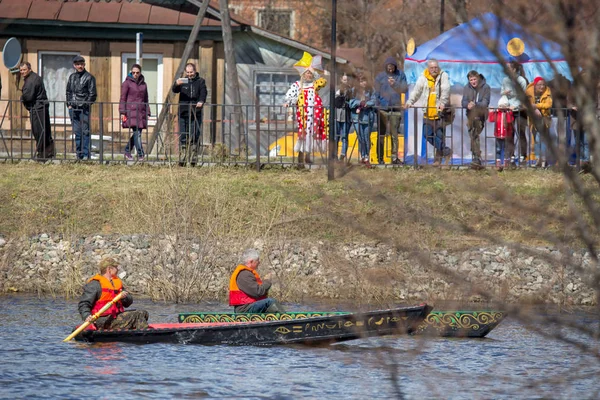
{"x":460,"y":11}
{"x":231,"y":73}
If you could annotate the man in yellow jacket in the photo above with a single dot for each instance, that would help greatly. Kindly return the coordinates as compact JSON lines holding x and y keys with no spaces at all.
{"x":248,"y":293}
{"x":539,"y":95}
{"x":434,"y":87}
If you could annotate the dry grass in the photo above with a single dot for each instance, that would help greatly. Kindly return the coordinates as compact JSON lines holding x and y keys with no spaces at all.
{"x":414,"y":209}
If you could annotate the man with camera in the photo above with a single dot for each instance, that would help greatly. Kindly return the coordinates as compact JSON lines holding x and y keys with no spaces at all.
{"x":192,"y":96}
{"x":434,"y":86}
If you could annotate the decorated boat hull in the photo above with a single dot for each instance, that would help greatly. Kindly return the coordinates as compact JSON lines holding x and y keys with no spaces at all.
{"x":472,"y":324}
{"x":310,"y":330}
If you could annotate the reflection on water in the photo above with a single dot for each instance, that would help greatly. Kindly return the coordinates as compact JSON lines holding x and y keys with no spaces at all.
{"x":513,"y":362}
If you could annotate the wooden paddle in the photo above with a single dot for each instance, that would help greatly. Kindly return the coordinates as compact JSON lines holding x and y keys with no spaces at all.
{"x":94,"y":317}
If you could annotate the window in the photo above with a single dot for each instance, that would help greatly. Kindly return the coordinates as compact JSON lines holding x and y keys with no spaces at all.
{"x":278,"y":21}
{"x":152,"y":69}
{"x":235,"y":9}
{"x":271,"y":87}
{"x":55,"y":68}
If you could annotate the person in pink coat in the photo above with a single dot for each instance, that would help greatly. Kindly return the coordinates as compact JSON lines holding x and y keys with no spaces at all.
{"x":134,"y":110}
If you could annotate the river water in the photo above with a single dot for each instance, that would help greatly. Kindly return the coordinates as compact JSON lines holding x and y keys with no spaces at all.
{"x":512,"y":362}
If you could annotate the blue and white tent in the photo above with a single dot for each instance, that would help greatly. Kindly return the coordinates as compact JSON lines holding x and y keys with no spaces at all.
{"x":467,"y":47}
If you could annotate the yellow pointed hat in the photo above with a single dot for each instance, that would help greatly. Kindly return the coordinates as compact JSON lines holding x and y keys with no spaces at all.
{"x":308,"y":62}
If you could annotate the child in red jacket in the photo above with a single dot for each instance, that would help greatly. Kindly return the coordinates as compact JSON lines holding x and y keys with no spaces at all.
{"x":503,"y":130}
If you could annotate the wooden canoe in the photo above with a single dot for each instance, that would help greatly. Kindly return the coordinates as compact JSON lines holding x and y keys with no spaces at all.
{"x":472,"y":324}
{"x":310,"y":330}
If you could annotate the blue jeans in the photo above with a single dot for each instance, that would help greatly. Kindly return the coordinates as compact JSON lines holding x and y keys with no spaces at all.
{"x":501,"y":149}
{"x":81,"y":128}
{"x":435,"y":134}
{"x":364,"y":139}
{"x":260,"y":306}
{"x":190,"y":128}
{"x":540,"y":146}
{"x":341,"y":133}
{"x":584,"y":146}
{"x":135,"y":140}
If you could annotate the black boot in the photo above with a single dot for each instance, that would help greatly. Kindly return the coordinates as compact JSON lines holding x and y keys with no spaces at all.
{"x":300,"y":159}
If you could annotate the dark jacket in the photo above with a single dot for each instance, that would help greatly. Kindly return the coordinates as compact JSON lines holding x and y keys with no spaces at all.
{"x":91,"y":294}
{"x":342,"y":97}
{"x":134,"y":102}
{"x":34,"y":93}
{"x":388,"y":96}
{"x":190,"y":93}
{"x":480,"y":96}
{"x":81,"y":90}
{"x":247,"y":283}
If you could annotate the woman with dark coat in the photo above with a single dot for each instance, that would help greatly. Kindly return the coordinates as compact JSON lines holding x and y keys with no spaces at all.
{"x":134,"y":110}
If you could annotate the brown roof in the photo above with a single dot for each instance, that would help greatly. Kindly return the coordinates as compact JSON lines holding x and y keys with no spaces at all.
{"x":114,"y":11}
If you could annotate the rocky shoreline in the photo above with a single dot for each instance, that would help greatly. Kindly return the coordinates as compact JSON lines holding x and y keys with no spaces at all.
{"x":179,"y":269}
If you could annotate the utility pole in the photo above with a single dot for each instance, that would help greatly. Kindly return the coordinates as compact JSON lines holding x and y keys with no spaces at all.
{"x":442,"y":9}
{"x":232,"y":75}
{"x":332,"y":84}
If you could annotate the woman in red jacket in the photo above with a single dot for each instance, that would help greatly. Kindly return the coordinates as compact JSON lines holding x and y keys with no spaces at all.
{"x":134,"y":110}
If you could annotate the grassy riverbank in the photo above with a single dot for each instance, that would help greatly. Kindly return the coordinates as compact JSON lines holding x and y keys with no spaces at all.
{"x":426,"y":209}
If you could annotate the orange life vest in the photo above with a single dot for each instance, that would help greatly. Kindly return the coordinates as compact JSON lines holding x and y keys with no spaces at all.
{"x":236,"y":296}
{"x":109,"y":292}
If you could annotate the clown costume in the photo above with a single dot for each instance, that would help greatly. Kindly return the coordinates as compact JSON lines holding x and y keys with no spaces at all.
{"x":309,"y":112}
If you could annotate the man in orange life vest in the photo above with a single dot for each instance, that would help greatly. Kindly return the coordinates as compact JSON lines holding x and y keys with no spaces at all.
{"x":247,"y":291}
{"x":101,"y":289}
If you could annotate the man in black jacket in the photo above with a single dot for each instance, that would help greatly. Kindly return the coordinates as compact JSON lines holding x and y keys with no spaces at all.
{"x":192,"y":96}
{"x":35,"y":100}
{"x":81,"y":93}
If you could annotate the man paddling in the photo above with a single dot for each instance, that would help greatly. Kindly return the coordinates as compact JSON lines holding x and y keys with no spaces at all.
{"x":100,"y":290}
{"x":248,"y":293}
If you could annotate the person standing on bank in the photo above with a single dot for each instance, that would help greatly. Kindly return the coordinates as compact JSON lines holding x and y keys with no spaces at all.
{"x":434,"y":87}
{"x":134,"y":110}
{"x":192,"y":96}
{"x":476,"y":100}
{"x":248,"y":293}
{"x":342,"y":115}
{"x":304,"y":95}
{"x":81,"y":94}
{"x":540,"y":96}
{"x":100,"y":290}
{"x":389,"y":86}
{"x":516,"y":78}
{"x":35,"y":100}
{"x":363,"y":117}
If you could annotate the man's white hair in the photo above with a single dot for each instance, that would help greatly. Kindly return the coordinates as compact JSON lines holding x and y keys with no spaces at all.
{"x":249,"y":255}
{"x":433,"y":60}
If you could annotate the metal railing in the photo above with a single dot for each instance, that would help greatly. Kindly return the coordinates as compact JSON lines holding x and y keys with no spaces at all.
{"x":265,"y":135}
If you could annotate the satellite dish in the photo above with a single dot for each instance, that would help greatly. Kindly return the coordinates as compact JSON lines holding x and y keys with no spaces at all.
{"x":11,"y":54}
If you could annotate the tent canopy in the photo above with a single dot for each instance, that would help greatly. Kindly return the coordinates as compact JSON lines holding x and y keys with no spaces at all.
{"x":467,"y":47}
